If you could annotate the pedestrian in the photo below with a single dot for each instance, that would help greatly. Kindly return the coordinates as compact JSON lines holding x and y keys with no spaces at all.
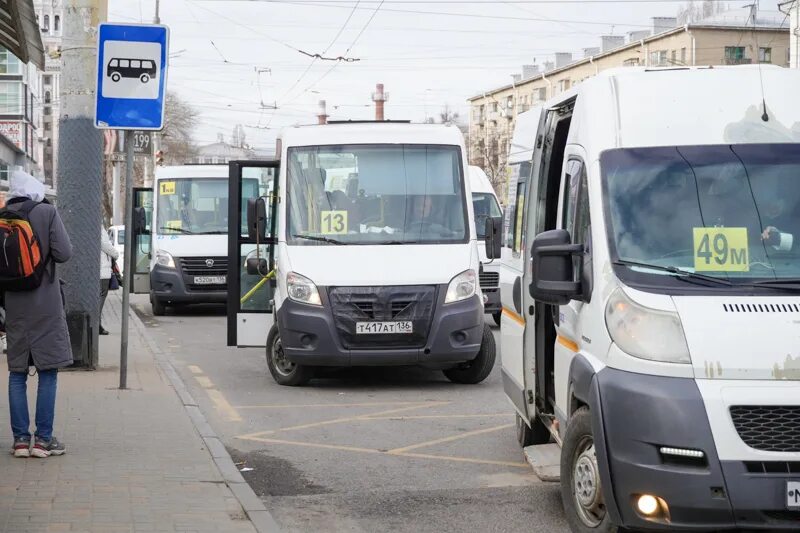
{"x":36,"y":323}
{"x":107,"y":254}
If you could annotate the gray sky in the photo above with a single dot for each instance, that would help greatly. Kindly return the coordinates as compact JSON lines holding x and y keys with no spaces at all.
{"x":232,"y":55}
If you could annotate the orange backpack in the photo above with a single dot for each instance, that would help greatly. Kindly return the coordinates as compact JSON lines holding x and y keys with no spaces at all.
{"x":22,"y":266}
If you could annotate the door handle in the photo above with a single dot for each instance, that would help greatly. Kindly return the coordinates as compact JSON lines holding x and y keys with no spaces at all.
{"x":517,"y":295}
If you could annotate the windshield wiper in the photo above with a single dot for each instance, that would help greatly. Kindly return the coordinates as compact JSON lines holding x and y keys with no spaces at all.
{"x":787,"y":283}
{"x":317,"y":238}
{"x":216,"y":232}
{"x":680,"y":273}
{"x":179,"y":230}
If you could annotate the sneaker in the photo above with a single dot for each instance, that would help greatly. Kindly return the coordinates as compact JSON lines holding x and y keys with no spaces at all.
{"x":42,"y":448}
{"x":22,"y":447}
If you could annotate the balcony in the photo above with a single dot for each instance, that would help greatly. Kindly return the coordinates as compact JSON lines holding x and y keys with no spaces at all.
{"x":737,"y":61}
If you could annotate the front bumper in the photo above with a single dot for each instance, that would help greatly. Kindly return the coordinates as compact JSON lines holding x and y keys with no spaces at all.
{"x":168,"y":286}
{"x":309,"y":337}
{"x":635,"y":415}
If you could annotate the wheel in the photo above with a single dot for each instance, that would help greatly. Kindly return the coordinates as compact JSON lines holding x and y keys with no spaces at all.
{"x":478,"y":369}
{"x":144,"y":78}
{"x":581,"y":490}
{"x":497,"y":315}
{"x":159,"y":309}
{"x":283,"y":371}
{"x":115,"y":76}
{"x":528,"y":436}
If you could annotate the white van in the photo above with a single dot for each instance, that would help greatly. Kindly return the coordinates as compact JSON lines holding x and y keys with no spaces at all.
{"x":485,"y":205}
{"x":189,"y":236}
{"x":378,"y":268}
{"x":117,"y":236}
{"x":657,"y":336}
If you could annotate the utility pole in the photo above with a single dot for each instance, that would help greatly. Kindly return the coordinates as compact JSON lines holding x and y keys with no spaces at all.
{"x":80,"y":171}
{"x":156,"y":135}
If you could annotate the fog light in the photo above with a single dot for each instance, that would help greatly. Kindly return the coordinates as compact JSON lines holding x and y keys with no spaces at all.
{"x":647,"y":504}
{"x":682,"y":452}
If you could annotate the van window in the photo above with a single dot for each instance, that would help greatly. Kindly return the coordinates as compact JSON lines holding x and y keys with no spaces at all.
{"x":485,"y":205}
{"x":374,"y":194}
{"x":520,"y":172}
{"x":121,"y":236}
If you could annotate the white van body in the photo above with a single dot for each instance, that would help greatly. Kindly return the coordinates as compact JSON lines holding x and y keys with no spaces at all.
{"x":117,"y":236}
{"x":485,"y":204}
{"x":380,"y":268}
{"x":665,"y":360}
{"x":189,"y":256}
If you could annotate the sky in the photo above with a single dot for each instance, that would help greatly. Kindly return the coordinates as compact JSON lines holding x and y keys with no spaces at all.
{"x":235,"y":61}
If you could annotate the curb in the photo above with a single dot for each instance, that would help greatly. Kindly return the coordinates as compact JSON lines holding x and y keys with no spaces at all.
{"x":252,"y":505}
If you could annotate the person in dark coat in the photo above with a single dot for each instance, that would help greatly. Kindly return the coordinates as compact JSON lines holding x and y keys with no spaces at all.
{"x":36,"y":326}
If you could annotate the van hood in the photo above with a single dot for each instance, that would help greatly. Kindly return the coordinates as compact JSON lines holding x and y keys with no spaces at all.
{"x":356,"y":265}
{"x":742,"y":337}
{"x":192,"y":245}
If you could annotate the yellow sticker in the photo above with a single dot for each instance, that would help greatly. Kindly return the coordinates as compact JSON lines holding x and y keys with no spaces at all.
{"x":333,"y":222}
{"x":166,"y":187}
{"x":173,"y":225}
{"x":721,"y":250}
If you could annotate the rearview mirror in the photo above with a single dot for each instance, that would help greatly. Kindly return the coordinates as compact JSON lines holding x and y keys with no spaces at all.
{"x":257,"y":219}
{"x":139,"y":221}
{"x":257,"y":266}
{"x":494,"y":232}
{"x":554,"y":271}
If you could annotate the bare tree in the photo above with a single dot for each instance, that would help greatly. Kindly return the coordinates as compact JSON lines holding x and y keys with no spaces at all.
{"x":180,"y":120}
{"x":694,"y":11}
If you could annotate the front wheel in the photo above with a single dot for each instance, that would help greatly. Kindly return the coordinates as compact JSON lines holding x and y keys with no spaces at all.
{"x":159,"y":309}
{"x":478,"y":369}
{"x":581,"y":490}
{"x":283,"y":371}
{"x":144,"y":78}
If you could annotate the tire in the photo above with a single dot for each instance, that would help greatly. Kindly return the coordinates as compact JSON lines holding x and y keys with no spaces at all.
{"x":478,"y":369}
{"x":498,"y":315}
{"x":284,"y":372}
{"x":144,"y":78}
{"x":528,"y":436}
{"x":583,"y":501}
{"x":159,"y":309}
{"x":115,"y":77}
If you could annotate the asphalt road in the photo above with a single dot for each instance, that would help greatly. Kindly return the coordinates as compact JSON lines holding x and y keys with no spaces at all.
{"x":382,"y":449}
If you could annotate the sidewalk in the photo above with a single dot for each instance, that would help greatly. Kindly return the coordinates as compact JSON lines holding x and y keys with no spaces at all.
{"x":134,"y":461}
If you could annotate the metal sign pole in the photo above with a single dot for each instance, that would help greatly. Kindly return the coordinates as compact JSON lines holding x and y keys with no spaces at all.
{"x":126,"y":287}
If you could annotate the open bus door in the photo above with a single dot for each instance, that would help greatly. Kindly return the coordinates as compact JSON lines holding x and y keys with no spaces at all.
{"x":138,"y":268}
{"x":252,"y":216}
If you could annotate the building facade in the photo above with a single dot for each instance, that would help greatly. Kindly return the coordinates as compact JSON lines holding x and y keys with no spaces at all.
{"x":49,"y":14}
{"x":730,"y":38}
{"x":792,"y":11}
{"x":222,"y":152}
{"x":20,"y":114}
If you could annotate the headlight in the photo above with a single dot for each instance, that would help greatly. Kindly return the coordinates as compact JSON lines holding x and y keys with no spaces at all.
{"x":164,"y":259}
{"x":301,"y":289}
{"x":646,"y":333}
{"x":461,"y":287}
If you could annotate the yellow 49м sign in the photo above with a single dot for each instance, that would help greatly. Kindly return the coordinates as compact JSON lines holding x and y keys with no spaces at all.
{"x":721,"y":250}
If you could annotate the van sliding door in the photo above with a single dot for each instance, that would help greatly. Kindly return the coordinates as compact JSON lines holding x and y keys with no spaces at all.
{"x":137,"y":269}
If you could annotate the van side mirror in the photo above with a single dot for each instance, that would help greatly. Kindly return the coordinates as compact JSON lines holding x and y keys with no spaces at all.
{"x":554,"y":279}
{"x":140,"y":221}
{"x":257,"y":266}
{"x":494,"y":241}
{"x":257,"y":219}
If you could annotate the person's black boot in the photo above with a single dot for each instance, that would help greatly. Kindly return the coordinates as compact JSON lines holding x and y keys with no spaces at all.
{"x":103,"y":331}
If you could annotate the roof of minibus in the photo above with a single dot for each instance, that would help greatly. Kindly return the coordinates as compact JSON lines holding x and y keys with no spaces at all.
{"x":192,"y":171}
{"x":371,"y":133}
{"x":638,"y":107}
{"x":479,"y":181}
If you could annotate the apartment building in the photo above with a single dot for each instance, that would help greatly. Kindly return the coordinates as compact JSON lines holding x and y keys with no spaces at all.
{"x":792,"y":11}
{"x":735,"y":37}
{"x":49,"y":14}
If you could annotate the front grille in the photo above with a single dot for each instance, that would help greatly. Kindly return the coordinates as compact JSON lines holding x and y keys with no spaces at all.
{"x":772,"y":467}
{"x":203,"y":266}
{"x":772,"y":428}
{"x":351,"y":305}
{"x":489,"y":279}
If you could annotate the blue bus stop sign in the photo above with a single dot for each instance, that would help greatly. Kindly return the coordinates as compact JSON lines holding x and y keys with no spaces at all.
{"x":131,"y":76}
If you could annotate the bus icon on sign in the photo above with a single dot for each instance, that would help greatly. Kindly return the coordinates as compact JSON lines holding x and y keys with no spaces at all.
{"x":143,"y":69}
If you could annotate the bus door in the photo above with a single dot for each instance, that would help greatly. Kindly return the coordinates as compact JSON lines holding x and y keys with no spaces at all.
{"x":252,"y":210}
{"x":139,"y":263}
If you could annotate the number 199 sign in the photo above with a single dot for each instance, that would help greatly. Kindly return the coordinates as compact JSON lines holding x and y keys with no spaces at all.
{"x":131,"y":76}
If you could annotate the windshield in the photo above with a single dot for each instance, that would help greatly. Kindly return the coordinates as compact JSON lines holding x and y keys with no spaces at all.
{"x":192,"y":206}
{"x":485,"y":205}
{"x":375,"y":194}
{"x":730,"y":211}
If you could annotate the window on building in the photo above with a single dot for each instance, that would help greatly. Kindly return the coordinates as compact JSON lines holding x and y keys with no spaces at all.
{"x":734,"y":55}
{"x":5,"y":168}
{"x":48,"y":126}
{"x":56,"y":23}
{"x":510,"y":102}
{"x":765,"y":55}
{"x":47,"y":79}
{"x":46,"y":25}
{"x":9,"y":64}
{"x":658,"y":58}
{"x":47,"y":97}
{"x":683,"y":55}
{"x":563,"y":85}
{"x":632,"y":62}
{"x":11,"y":98}
{"x":674,"y":57}
{"x":540,"y":94}
{"x":494,"y":107}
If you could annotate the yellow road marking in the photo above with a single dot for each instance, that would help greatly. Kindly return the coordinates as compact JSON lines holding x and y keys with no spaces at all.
{"x":326,"y":405}
{"x":313,"y":445}
{"x":462,"y":459}
{"x":223,"y":406}
{"x":194,"y":369}
{"x":448,"y":439}
{"x":204,"y":382}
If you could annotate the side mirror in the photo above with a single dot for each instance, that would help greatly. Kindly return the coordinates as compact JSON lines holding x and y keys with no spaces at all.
{"x":494,"y":241}
{"x":257,"y":219}
{"x":554,"y":279}
{"x":139,"y":221}
{"x":257,"y":266}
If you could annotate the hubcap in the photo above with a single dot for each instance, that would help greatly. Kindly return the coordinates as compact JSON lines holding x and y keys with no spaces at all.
{"x":586,"y":485}
{"x":282,"y":365}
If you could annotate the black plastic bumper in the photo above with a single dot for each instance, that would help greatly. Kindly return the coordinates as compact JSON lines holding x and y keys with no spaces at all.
{"x":309,"y":337}
{"x":168,"y":286}
{"x":637,"y":415}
